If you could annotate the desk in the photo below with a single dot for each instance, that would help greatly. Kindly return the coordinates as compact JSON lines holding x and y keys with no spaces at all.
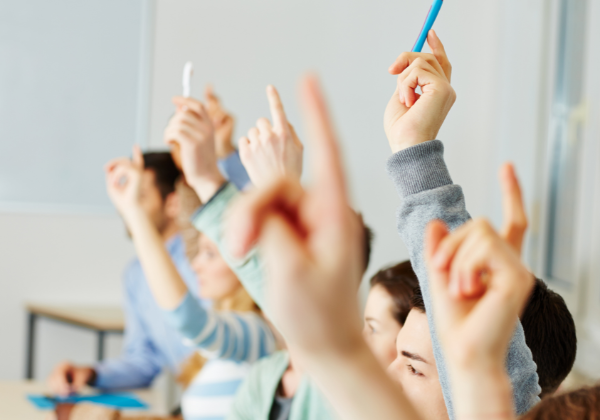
{"x":101,"y":319}
{"x":15,"y":406}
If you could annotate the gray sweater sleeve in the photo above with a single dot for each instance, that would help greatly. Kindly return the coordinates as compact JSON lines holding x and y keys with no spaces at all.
{"x":424,"y":184}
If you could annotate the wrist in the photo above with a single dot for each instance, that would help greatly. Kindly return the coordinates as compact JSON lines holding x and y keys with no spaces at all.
{"x":484,"y":393}
{"x":206,"y":186}
{"x":224,"y":149}
{"x":404,"y":142}
{"x":131,"y":215}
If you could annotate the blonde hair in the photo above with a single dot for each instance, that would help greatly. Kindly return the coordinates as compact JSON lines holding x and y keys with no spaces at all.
{"x":240,"y":301}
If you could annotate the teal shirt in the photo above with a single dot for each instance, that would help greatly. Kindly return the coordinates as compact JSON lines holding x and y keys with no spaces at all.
{"x":255,"y":396}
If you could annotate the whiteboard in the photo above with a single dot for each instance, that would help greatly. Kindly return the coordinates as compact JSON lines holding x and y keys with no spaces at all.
{"x":74,"y":93}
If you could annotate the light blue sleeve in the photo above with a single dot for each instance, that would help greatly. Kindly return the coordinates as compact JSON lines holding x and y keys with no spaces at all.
{"x":139,"y":363}
{"x":231,"y":167}
{"x":239,"y":336}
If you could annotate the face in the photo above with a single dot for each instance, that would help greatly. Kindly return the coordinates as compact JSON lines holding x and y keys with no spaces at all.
{"x":217,"y":280}
{"x":381,"y":329}
{"x":415,"y":370}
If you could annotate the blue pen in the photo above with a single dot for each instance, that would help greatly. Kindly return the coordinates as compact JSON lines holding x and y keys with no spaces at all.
{"x":429,"y":21}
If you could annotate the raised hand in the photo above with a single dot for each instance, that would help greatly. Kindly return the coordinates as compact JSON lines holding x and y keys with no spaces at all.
{"x":411,"y":118}
{"x":515,"y":216}
{"x":223,"y":123}
{"x":272,"y":151}
{"x":123,"y":182}
{"x":311,"y":242}
{"x":479,"y":286}
{"x":310,"y":239}
{"x":192,"y":132}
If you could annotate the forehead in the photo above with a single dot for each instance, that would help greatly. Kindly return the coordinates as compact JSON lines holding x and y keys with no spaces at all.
{"x":379,"y":301}
{"x":414,"y":336}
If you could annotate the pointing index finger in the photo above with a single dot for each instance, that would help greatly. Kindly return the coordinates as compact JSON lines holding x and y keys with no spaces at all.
{"x":277,"y":112}
{"x":328,"y":166}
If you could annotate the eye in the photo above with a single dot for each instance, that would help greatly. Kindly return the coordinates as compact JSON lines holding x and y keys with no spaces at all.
{"x":413,"y":371}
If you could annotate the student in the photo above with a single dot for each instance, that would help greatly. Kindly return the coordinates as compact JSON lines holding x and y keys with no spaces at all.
{"x":387,"y":307}
{"x":268,"y":392}
{"x":231,"y":340}
{"x":313,"y":257}
{"x":150,"y":344}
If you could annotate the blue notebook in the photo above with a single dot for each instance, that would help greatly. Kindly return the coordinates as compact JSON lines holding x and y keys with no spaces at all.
{"x":45,"y":402}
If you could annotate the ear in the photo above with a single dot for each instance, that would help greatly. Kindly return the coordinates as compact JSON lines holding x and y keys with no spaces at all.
{"x":173,"y":205}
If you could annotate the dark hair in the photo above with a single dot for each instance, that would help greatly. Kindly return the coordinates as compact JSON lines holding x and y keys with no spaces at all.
{"x":368,"y":244}
{"x":582,"y":404}
{"x":550,"y":335}
{"x":399,"y":281}
{"x":416,"y":302}
{"x":166,"y":173}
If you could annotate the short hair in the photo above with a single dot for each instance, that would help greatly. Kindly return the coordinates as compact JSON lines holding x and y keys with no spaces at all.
{"x":417,"y":302}
{"x":165,"y":171}
{"x":582,"y":404}
{"x":399,"y":281}
{"x":367,"y":237}
{"x":550,"y":335}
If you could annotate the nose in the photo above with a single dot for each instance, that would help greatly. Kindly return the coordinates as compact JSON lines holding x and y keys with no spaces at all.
{"x":393,"y":371}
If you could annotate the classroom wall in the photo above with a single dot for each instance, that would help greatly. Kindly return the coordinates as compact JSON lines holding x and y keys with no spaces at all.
{"x":240,"y":46}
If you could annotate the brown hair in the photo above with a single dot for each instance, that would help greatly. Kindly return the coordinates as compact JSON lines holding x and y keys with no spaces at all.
{"x":582,"y":404}
{"x":399,"y":281}
{"x":239,"y":302}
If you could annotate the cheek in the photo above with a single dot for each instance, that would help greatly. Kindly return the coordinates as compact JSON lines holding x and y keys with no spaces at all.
{"x":426,"y":396}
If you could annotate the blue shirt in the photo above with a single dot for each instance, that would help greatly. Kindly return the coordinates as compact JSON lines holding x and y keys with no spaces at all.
{"x":150,"y":343}
{"x":231,"y":167}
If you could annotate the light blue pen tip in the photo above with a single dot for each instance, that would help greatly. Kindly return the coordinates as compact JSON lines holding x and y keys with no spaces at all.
{"x":429,"y":21}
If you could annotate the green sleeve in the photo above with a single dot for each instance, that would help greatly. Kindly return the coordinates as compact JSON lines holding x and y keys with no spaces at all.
{"x":209,"y":221}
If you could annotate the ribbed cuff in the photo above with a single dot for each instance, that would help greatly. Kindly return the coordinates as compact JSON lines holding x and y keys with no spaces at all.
{"x":419,"y":168}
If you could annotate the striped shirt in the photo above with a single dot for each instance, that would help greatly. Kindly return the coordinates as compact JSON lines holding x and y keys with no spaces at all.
{"x":231,"y":341}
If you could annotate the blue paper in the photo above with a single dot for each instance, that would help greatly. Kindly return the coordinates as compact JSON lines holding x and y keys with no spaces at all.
{"x":110,"y":400}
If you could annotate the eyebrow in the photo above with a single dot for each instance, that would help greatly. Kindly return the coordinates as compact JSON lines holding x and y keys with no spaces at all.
{"x":413,"y":356}
{"x":370,"y":319}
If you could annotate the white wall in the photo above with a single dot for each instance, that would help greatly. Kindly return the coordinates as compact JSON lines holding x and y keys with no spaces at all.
{"x":56,"y":258}
{"x":241,"y":46}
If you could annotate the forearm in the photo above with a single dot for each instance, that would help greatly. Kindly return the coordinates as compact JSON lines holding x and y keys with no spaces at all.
{"x":164,"y":280}
{"x":124,"y":373}
{"x":482,"y":394}
{"x":210,"y":221}
{"x":357,"y":387}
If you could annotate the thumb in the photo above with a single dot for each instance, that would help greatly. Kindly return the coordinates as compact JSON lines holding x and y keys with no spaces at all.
{"x":438,"y":273}
{"x":435,"y":232}
{"x":515,"y":216}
